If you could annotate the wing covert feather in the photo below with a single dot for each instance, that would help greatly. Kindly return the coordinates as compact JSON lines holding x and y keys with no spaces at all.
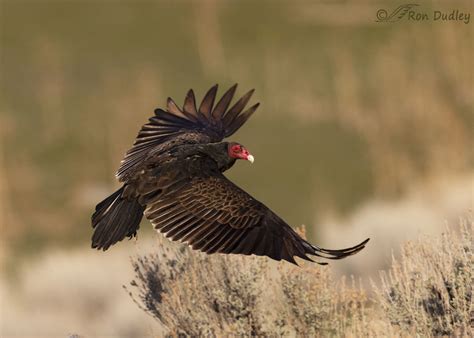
{"x":213,"y":215}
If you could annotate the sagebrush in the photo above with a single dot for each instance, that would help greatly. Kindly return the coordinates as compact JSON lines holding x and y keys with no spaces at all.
{"x":427,"y":292}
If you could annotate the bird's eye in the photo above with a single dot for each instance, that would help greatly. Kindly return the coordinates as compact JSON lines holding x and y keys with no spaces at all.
{"x":236,"y":148}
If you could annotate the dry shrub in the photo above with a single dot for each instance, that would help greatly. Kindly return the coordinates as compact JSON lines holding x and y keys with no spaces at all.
{"x":426,"y":292}
{"x":197,"y":294}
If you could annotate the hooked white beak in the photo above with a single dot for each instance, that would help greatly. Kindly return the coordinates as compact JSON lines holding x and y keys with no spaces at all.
{"x":250,"y":158}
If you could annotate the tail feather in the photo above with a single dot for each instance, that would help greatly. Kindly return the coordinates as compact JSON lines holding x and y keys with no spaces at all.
{"x":114,"y":219}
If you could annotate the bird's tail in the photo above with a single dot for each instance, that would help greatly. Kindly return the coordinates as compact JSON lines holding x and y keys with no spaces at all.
{"x":114,"y":219}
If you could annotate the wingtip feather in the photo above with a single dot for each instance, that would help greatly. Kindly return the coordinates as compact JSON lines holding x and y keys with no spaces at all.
{"x":208,"y":101}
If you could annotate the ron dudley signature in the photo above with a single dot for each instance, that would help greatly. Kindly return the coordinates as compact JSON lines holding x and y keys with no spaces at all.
{"x":412,"y":12}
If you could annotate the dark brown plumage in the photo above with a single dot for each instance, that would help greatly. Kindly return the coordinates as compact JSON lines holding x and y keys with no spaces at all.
{"x":174,"y":175}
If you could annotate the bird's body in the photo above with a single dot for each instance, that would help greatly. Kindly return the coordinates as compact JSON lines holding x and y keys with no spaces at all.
{"x":174,"y":176}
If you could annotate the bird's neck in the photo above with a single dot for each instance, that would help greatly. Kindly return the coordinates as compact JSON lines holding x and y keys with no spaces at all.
{"x":218,"y":152}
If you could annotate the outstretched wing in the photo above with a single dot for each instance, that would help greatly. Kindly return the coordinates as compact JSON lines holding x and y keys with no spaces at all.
{"x":214,"y":215}
{"x":207,"y":124}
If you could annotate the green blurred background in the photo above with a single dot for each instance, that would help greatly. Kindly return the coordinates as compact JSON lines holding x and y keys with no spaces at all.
{"x":352,"y":110}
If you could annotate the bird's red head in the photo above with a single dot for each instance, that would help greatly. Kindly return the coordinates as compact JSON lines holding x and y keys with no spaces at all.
{"x":238,"y":151}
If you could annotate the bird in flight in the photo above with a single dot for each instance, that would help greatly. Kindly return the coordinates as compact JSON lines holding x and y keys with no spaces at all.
{"x":173,"y":174}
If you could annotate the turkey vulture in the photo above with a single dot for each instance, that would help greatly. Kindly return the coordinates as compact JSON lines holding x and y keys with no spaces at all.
{"x":174,"y":175}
